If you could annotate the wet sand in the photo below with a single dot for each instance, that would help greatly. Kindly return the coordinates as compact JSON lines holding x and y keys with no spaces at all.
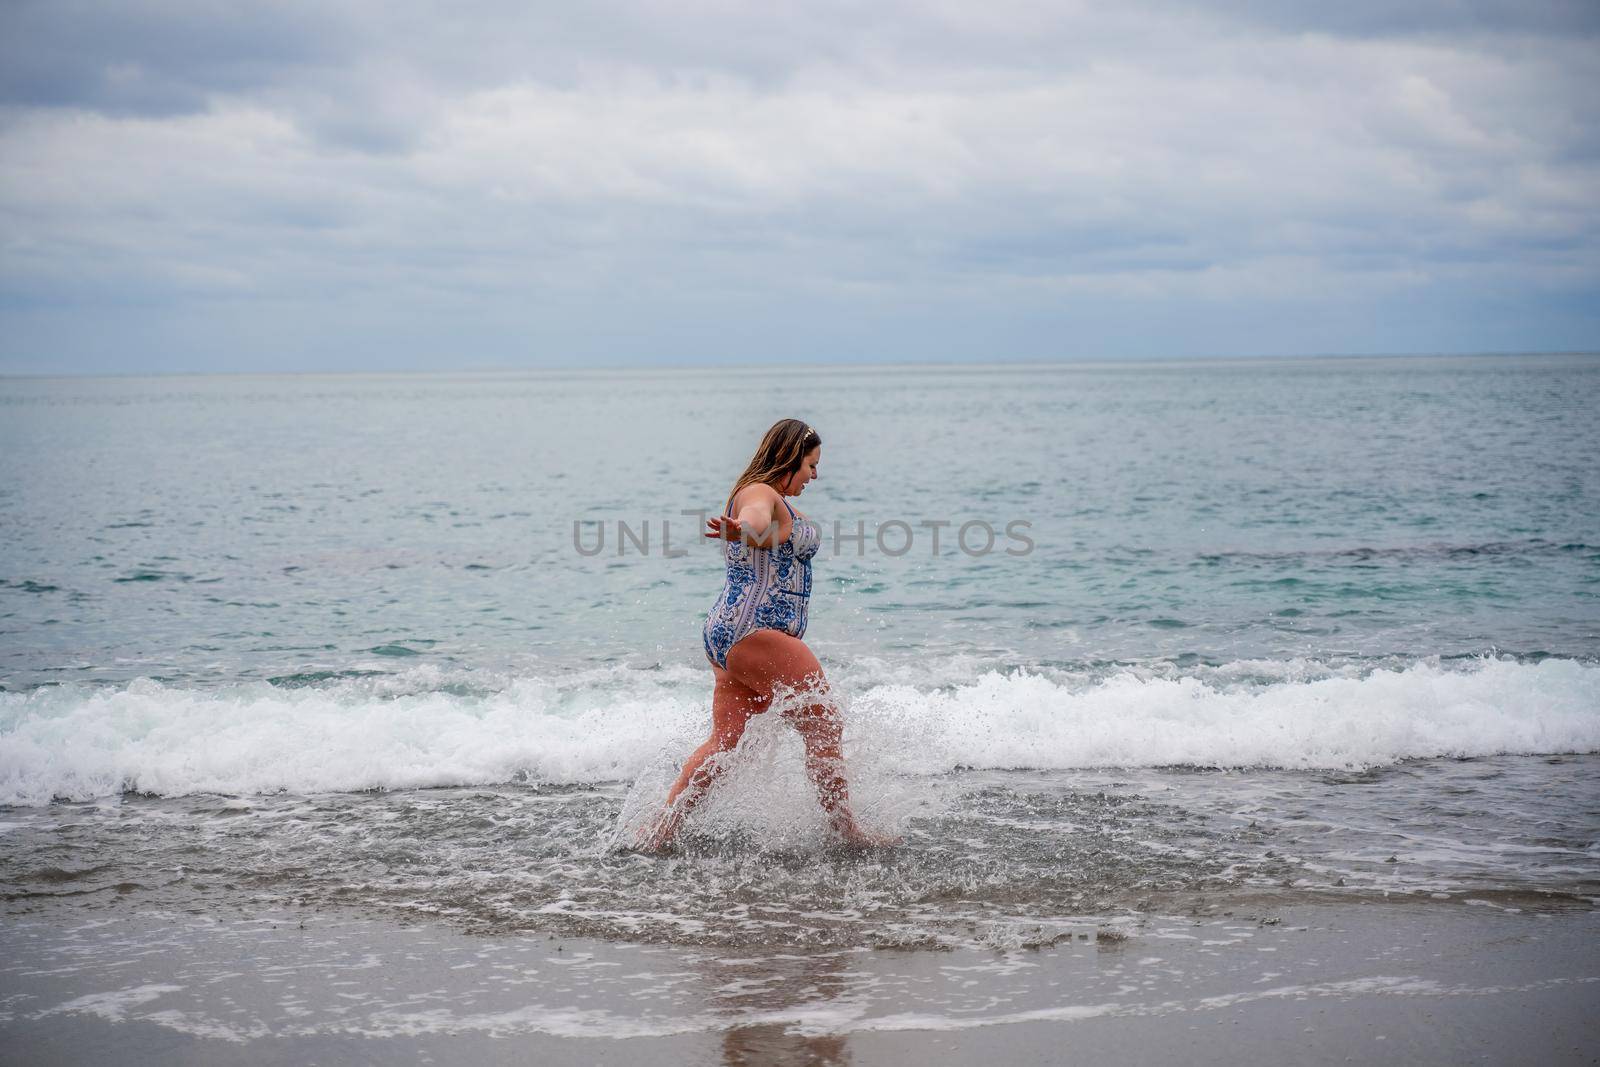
{"x":1407,"y":980}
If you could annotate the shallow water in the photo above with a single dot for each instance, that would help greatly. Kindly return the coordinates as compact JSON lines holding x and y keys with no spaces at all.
{"x":1441,"y":985}
{"x":996,"y":858}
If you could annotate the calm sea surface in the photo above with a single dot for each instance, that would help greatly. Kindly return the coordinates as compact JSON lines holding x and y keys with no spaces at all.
{"x":431,"y":643}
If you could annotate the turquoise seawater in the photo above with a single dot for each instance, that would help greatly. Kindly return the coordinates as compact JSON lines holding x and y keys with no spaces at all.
{"x":431,"y":644}
{"x":204,"y":530}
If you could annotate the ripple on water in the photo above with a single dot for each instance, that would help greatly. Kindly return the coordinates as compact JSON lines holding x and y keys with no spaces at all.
{"x":982,"y":853}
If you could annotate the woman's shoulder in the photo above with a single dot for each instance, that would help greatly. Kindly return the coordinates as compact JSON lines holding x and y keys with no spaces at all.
{"x":755,"y":493}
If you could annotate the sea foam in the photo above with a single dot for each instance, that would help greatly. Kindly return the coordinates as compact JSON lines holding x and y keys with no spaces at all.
{"x":421,"y":728}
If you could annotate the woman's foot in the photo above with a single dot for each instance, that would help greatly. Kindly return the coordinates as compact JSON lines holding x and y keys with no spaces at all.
{"x":856,"y":837}
{"x":658,"y":836}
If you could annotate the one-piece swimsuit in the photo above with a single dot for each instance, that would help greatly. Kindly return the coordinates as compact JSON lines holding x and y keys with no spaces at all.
{"x":766,"y":589}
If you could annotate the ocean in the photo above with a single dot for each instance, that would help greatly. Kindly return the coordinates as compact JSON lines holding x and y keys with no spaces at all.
{"x":1113,"y":640}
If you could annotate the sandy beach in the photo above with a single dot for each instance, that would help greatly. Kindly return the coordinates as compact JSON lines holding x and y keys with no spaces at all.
{"x":1413,"y":981}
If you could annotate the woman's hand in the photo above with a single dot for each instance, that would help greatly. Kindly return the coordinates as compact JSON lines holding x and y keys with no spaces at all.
{"x":724,"y":527}
{"x":755,"y":525}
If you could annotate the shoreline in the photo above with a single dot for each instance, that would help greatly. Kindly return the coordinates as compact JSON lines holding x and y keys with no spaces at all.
{"x":1429,"y":982}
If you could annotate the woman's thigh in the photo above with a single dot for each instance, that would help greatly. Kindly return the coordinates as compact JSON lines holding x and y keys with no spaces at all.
{"x":768,"y":661}
{"x":732,"y":703}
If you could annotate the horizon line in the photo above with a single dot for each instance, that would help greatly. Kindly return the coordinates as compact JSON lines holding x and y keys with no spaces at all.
{"x":1032,"y":364}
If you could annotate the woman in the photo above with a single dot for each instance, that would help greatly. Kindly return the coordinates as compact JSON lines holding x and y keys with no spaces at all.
{"x":752,"y":636}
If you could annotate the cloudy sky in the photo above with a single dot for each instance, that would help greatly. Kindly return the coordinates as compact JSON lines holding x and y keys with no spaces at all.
{"x":360,"y":185}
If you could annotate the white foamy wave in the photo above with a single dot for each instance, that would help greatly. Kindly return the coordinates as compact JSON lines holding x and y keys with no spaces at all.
{"x":1299,"y":716}
{"x":392,"y":732}
{"x":421,"y":729}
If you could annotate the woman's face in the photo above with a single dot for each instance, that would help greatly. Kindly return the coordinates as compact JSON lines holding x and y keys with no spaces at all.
{"x":807,"y":473}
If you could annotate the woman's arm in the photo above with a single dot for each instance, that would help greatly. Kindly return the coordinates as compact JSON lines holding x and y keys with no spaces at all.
{"x":756,"y":523}
{"x":758,"y":518}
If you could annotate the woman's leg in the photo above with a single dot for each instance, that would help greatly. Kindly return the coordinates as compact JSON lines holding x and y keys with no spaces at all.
{"x":783,"y":668}
{"x":732,"y":704}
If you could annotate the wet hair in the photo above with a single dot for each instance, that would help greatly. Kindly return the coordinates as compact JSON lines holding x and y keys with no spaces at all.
{"x":779,"y":455}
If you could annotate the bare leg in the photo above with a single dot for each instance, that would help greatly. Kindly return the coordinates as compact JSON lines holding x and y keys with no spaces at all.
{"x":732,"y":704}
{"x":818,"y":723}
{"x":783,"y":668}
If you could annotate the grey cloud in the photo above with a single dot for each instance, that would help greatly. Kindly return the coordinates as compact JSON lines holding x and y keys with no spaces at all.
{"x":388,"y":185}
{"x":170,"y":56}
{"x":153,"y":57}
{"x":1385,"y":18}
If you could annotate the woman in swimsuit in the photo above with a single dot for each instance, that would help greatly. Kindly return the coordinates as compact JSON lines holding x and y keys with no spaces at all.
{"x":753,"y":634}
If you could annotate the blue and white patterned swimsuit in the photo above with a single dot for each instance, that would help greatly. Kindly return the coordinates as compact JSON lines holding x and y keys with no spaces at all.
{"x":767,"y":589}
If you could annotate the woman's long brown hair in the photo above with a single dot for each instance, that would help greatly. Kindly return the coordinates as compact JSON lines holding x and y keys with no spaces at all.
{"x":779,"y":455}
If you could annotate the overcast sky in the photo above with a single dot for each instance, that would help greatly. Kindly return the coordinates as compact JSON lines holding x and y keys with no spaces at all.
{"x":502,"y":183}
